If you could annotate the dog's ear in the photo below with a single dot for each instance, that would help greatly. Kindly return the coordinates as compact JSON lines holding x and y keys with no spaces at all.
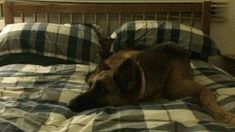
{"x":128,"y":77}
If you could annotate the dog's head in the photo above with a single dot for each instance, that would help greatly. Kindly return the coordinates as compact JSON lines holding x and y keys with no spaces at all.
{"x":120,"y":86}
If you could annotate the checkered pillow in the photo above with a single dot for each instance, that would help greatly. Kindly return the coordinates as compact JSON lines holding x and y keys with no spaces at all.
{"x":147,"y":33}
{"x":78,"y":43}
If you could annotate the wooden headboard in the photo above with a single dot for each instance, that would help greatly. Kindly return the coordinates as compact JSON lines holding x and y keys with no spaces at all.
{"x":109,"y":15}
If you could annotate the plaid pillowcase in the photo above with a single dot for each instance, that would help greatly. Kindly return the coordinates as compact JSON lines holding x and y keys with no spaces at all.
{"x":147,"y":33}
{"x":78,"y":43}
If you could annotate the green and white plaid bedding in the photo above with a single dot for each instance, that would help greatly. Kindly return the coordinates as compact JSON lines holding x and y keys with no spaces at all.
{"x":146,"y":33}
{"x":35,"y":98}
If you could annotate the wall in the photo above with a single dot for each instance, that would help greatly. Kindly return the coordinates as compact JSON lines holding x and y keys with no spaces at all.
{"x":223,"y":33}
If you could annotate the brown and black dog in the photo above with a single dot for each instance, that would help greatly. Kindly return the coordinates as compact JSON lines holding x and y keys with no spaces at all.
{"x":131,"y":77}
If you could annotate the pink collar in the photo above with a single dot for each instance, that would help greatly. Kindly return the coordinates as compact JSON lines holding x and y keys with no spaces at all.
{"x":143,"y":83}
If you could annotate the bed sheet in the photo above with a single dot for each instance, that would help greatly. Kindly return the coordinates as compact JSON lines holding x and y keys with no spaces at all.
{"x":35,"y":98}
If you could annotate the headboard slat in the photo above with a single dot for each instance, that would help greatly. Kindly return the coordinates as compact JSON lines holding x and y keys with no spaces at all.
{"x":108,"y":23}
{"x":156,"y":16}
{"x":22,"y":17}
{"x":71,"y":18}
{"x":120,"y":18}
{"x":192,"y":19}
{"x":60,"y":18}
{"x":95,"y":18}
{"x":144,"y":16}
{"x":35,"y":17}
{"x":168,"y":16}
{"x":180,"y":17}
{"x":47,"y":17}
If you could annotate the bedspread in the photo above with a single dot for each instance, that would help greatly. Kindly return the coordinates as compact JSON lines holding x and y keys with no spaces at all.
{"x":35,"y":98}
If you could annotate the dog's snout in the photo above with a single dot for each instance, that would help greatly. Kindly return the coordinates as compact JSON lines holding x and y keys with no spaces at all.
{"x":103,"y":75}
{"x":102,"y":81}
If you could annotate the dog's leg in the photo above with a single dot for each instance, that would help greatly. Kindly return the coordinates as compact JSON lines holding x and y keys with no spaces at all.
{"x":208,"y":101}
{"x":186,"y":87}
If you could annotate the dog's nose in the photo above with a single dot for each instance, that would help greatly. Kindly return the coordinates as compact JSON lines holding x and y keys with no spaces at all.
{"x":85,"y":101}
{"x":81,"y":102}
{"x":73,"y":105}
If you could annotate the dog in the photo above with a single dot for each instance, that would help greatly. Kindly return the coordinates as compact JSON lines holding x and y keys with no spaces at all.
{"x":134,"y":76}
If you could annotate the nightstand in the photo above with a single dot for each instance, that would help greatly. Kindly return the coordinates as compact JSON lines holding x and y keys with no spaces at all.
{"x":229,"y":63}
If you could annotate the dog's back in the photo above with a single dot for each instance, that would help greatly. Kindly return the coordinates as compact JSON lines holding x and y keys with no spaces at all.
{"x":158,"y":64}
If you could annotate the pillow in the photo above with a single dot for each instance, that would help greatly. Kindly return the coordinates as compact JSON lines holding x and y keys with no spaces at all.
{"x":77,"y":43}
{"x":147,"y":33}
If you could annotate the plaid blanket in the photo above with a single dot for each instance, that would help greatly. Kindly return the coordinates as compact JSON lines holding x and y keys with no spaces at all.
{"x":35,"y":98}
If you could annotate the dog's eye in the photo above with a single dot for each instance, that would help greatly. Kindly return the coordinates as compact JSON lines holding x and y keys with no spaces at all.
{"x":103,"y":90}
{"x":100,"y":87}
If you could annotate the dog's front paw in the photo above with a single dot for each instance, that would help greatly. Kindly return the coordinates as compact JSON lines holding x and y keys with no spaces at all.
{"x":230,"y":119}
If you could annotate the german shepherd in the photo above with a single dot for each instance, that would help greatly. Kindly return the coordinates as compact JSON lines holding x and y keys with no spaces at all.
{"x":134,"y":76}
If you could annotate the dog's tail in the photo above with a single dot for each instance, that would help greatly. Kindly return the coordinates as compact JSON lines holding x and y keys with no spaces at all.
{"x":208,"y":101}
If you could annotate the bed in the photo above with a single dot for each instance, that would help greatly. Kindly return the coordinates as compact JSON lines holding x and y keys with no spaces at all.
{"x":42,"y":68}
